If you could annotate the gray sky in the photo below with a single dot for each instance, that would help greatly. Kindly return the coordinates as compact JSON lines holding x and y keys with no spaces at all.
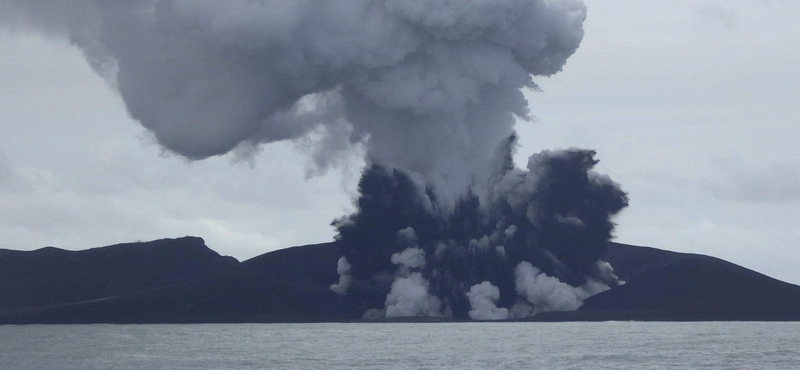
{"x":691,"y":105}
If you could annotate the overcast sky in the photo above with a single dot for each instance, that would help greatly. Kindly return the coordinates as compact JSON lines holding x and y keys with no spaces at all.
{"x":692,"y":107}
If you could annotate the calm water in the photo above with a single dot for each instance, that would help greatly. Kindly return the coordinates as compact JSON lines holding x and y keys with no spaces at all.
{"x":610,"y":345}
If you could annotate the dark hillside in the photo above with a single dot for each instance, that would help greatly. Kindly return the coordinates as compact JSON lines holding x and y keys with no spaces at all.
{"x":291,"y":285}
{"x":630,"y":261}
{"x":285,"y":285}
{"x":702,"y":288}
{"x":51,"y":276}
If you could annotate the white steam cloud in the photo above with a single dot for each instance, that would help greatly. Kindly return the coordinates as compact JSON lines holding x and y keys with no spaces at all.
{"x":548,"y":293}
{"x":427,"y":85}
{"x":482,"y":299}
{"x":410,"y":297}
{"x":345,"y":279}
{"x":410,"y":293}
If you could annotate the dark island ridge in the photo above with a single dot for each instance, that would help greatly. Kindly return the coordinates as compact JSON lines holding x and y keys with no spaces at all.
{"x":183,"y":281}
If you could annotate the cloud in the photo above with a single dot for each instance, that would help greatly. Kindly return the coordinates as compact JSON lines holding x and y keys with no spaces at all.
{"x":8,"y":176}
{"x":429,"y":86}
{"x":722,"y":15}
{"x":482,"y":299}
{"x":758,"y":183}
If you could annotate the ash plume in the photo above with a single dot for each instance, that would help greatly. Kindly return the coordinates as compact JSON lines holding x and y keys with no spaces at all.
{"x":533,"y":242}
{"x":446,"y":225}
{"x":426,"y":85}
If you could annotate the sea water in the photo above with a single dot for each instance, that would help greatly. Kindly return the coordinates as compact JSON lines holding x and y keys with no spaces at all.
{"x":607,"y":345}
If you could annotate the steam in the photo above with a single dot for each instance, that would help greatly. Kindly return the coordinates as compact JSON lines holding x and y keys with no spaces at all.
{"x":428,"y":86}
{"x":482,"y":299}
{"x":446,"y":224}
{"x":546,"y":293}
{"x":343,"y":269}
{"x":531,"y":242}
{"x":410,"y":297}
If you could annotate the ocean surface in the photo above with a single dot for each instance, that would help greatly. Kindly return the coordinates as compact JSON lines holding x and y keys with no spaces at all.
{"x":608,"y":345}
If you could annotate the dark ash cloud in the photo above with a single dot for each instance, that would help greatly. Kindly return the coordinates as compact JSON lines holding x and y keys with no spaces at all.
{"x":532,"y":243}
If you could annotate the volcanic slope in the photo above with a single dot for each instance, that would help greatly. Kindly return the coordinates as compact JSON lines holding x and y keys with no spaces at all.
{"x":697,"y":287}
{"x":292,"y":285}
{"x":50,"y":276}
{"x":285,"y":285}
{"x":669,"y":286}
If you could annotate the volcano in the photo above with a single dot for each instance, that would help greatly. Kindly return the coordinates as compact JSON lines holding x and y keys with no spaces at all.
{"x":183,"y":281}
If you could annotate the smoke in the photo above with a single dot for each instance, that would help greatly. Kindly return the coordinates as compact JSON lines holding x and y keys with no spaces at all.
{"x":343,"y":269}
{"x":482,"y":299}
{"x":409,"y":296}
{"x":547,"y":293}
{"x":425,"y":85}
{"x":430,"y":90}
{"x":531,"y":242}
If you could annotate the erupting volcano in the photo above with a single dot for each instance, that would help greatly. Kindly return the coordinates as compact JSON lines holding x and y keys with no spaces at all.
{"x":532,"y":241}
{"x":430,"y":91}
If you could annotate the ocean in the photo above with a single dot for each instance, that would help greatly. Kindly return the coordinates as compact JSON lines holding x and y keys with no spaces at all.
{"x":607,"y":345}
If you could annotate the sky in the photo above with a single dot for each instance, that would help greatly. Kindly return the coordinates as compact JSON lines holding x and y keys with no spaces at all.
{"x":691,"y":106}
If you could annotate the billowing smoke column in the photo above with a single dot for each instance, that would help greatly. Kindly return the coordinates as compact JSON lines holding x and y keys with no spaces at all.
{"x":430,"y":86}
{"x":430,"y":89}
{"x":532,"y":242}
